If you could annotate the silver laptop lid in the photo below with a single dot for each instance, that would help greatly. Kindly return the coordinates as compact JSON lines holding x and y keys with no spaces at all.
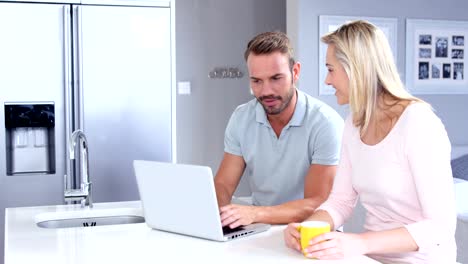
{"x":179,"y":198}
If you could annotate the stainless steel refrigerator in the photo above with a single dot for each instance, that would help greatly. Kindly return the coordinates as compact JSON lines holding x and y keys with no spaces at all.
{"x":106,"y":67}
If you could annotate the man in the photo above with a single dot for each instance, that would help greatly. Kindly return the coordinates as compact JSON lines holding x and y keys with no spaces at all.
{"x":287,"y":141}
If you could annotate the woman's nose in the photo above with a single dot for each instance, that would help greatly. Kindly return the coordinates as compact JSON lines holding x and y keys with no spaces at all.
{"x":327,"y":79}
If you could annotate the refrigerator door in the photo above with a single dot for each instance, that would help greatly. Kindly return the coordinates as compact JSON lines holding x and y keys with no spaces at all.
{"x":32,"y":66}
{"x":124,"y":93}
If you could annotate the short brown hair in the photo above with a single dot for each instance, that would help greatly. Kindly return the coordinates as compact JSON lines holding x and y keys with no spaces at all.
{"x":269,"y":42}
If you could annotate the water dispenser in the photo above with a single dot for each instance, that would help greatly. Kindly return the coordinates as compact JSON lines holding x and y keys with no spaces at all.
{"x":30,"y":138}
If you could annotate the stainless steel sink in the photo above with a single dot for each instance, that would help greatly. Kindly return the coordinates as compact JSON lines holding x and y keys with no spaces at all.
{"x":89,"y":218}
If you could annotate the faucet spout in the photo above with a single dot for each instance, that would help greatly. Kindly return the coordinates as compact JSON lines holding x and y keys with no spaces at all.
{"x":84,"y":193}
{"x":77,"y":134}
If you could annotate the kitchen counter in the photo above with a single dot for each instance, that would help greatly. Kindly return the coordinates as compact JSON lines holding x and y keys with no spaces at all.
{"x":135,"y":243}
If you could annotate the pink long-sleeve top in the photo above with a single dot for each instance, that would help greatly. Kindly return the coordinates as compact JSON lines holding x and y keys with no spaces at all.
{"x":403,"y":181}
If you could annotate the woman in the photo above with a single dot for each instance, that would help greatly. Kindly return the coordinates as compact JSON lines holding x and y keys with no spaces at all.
{"x":395,"y":158}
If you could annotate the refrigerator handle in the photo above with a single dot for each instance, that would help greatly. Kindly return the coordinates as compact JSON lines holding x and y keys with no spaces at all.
{"x":78,"y":67}
{"x":68,"y":89}
{"x":77,"y":95}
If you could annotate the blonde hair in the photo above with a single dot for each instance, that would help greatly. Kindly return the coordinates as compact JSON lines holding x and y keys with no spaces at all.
{"x":364,"y":52}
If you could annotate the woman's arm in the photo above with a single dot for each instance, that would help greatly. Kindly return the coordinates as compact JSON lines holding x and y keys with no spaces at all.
{"x":428,"y":154}
{"x":336,"y":245}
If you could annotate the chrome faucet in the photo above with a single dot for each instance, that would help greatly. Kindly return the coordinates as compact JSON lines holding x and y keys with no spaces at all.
{"x":84,"y":193}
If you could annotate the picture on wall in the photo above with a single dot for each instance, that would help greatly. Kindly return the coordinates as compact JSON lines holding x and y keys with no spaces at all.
{"x":331,"y":23}
{"x":435,"y":56}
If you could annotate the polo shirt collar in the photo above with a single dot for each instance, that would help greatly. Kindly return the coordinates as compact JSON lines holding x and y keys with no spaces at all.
{"x":298,"y":115}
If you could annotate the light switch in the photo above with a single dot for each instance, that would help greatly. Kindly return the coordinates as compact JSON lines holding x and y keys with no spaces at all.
{"x":184,"y":87}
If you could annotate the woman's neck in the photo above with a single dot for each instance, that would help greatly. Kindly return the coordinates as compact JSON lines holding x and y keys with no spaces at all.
{"x":383,"y":119}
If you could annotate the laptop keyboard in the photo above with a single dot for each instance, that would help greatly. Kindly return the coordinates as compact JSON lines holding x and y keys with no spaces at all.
{"x":227,"y":230}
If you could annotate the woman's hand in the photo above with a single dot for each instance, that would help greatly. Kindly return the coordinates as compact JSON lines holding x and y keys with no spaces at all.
{"x":292,"y":236}
{"x":334,"y":245}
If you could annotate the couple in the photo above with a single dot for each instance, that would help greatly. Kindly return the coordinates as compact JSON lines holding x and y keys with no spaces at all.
{"x":393,"y":153}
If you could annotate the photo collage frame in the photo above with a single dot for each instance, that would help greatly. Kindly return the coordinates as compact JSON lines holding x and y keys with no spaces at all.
{"x":436,"y":60}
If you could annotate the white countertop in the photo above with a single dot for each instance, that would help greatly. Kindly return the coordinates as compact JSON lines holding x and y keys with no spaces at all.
{"x":135,"y":243}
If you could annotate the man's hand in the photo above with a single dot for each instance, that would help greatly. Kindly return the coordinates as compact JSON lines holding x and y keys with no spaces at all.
{"x":234,"y":215}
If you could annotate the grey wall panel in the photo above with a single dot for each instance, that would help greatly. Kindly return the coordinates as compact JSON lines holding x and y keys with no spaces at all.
{"x":209,"y":34}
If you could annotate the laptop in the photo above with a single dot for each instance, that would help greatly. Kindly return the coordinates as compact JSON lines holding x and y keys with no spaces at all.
{"x":181,"y":198}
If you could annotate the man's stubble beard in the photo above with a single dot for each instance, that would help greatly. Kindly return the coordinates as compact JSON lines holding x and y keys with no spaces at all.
{"x":284,"y":105}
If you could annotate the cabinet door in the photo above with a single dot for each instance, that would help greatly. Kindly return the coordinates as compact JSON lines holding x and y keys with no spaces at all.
{"x":125,"y":55}
{"x":32,"y":66}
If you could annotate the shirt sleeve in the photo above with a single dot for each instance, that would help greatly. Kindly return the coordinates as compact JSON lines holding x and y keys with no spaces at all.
{"x":325,"y":145}
{"x":232,"y":137}
{"x":428,"y":154}
{"x":343,"y":197}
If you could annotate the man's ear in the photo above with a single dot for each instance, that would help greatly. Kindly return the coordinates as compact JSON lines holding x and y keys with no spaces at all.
{"x":296,"y":70}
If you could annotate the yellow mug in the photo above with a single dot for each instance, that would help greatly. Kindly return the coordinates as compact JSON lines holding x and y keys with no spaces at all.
{"x":311,"y":229}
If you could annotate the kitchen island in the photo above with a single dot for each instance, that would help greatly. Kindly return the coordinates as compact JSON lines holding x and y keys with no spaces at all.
{"x":25,"y":242}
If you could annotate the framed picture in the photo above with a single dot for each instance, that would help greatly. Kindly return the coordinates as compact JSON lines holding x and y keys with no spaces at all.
{"x":331,"y":23}
{"x":435,"y":56}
